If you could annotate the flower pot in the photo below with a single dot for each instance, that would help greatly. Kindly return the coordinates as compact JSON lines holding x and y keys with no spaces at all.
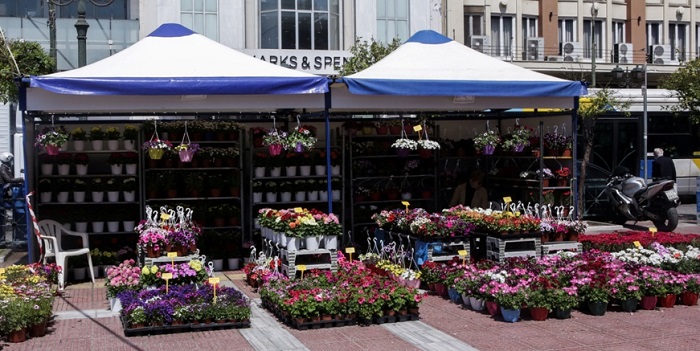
{"x":113,"y":196}
{"x":234,"y":264}
{"x":330,"y":242}
{"x":64,"y":169}
{"x":311,"y":242}
{"x":406,"y":195}
{"x":539,"y":313}
{"x":300,"y":196}
{"x":46,"y":169}
{"x":186,"y":155}
{"x":689,"y":298}
{"x":299,"y":148}
{"x":112,"y":226}
{"x":78,"y":196}
{"x":79,"y":273}
{"x":290,"y":171}
{"x":597,"y":308}
{"x":648,"y":302}
{"x":402,"y":152}
{"x":492,"y":308}
{"x":98,"y":227}
{"x":97,"y":196}
{"x":218,"y":264}
{"x":81,"y":170}
{"x":476,"y":303}
{"x":45,"y":197}
{"x":336,"y":195}
{"x":257,"y":197}
{"x":454,"y":295}
{"x":270,"y":197}
{"x":312,"y":195}
{"x":286,"y":196}
{"x":561,"y":313}
{"x":129,"y":145}
{"x":305,"y":170}
{"x":81,"y":227}
{"x":117,"y":169}
{"x":62,"y":197}
{"x":510,"y":316}
{"x":112,"y":145}
{"x":323,"y":195}
{"x":519,"y":148}
{"x":275,"y":171}
{"x":155,"y":154}
{"x":395,"y":130}
{"x":79,"y":145}
{"x":293,"y":243}
{"x":275,"y":149}
{"x":97,"y":145}
{"x":16,"y":336}
{"x":382,"y":130}
{"x":52,"y":150}
{"x":465,"y":300}
{"x":320,"y":170}
{"x":129,"y":225}
{"x":488,"y":149}
{"x":629,"y":305}
{"x":566,"y":152}
{"x":335,"y":170}
{"x":545,"y":183}
{"x":259,"y":172}
{"x":441,"y":289}
{"x":666,"y":301}
{"x":129,"y":196}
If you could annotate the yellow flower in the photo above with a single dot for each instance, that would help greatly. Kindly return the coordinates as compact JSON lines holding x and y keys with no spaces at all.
{"x":196,"y":265}
{"x":154,"y":269}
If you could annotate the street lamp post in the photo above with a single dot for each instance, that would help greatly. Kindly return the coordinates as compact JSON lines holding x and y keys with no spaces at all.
{"x":625,"y":77}
{"x":81,"y":25}
{"x":594,"y":14}
{"x":644,"y":115}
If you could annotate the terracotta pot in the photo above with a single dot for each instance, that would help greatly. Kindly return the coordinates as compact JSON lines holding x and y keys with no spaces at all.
{"x":538,"y":313}
{"x":648,"y":302}
{"x":492,"y":308}
{"x":566,"y":152}
{"x":16,"y":336}
{"x":382,"y":130}
{"x":689,"y":298}
{"x":666,"y":301}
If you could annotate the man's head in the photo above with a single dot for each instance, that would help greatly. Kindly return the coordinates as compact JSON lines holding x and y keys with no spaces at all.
{"x":6,"y":157}
{"x":658,"y":152}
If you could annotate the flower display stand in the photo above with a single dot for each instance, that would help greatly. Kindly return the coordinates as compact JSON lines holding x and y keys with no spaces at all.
{"x":435,"y":249}
{"x":502,"y":246}
{"x":190,"y":327}
{"x":553,"y":248}
{"x":312,"y":259}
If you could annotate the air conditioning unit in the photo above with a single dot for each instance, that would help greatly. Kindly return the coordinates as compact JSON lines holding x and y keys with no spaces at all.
{"x":660,"y":54}
{"x":622,"y":53}
{"x":534,"y":50}
{"x":480,"y":44}
{"x":571,"y":51}
{"x":555,"y":58}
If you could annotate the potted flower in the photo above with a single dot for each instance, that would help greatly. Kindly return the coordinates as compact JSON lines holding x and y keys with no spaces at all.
{"x":556,"y":143}
{"x":130,"y":134}
{"x":258,"y":133}
{"x":563,"y":175}
{"x":487,"y":142}
{"x":97,"y":137}
{"x":62,"y":187}
{"x":128,"y":187}
{"x":112,"y":187}
{"x":545,"y":174}
{"x":300,"y":189}
{"x":117,"y":162}
{"x":97,"y":188}
{"x":79,"y":187}
{"x":112,"y":135}
{"x":130,"y":160}
{"x":186,"y":151}
{"x":510,"y":299}
{"x":260,"y":163}
{"x":156,"y":148}
{"x":563,"y":300}
{"x":300,"y":139}
{"x":518,"y":139}
{"x":52,"y":139}
{"x":194,"y":183}
{"x":258,"y":189}
{"x":404,"y":146}
{"x":78,"y":135}
{"x":45,"y":190}
{"x":81,"y":161}
{"x":274,"y":141}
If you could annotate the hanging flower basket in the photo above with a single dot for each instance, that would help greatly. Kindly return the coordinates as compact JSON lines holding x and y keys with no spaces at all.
{"x":275,"y":149}
{"x":403,"y":152}
{"x":52,"y":149}
{"x":187,"y":150}
{"x":186,"y":155}
{"x":52,"y":139}
{"x":156,"y":154}
{"x":489,"y":149}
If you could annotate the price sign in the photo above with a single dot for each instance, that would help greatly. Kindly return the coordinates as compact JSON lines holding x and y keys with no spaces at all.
{"x":298,"y":209}
{"x":172,"y":254}
{"x":164,"y":216}
{"x":406,"y":203}
{"x":167,"y":277}
{"x":214,"y":282}
{"x":507,"y":199}
{"x":350,"y":251}
{"x":418,"y":128}
{"x":652,"y":230}
{"x":637,"y":244}
{"x":463,"y":255}
{"x":302,"y":268}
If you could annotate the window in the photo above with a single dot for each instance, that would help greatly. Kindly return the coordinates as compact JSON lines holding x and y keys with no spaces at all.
{"x":502,"y":36}
{"x":618,"y":32}
{"x":392,"y":20}
{"x":22,"y":8}
{"x":567,"y":30}
{"x":300,"y":24}
{"x":529,"y":31}
{"x":597,"y":37}
{"x":115,"y":10}
{"x":654,"y":33}
{"x":201,"y":16}
{"x":473,"y":26}
{"x":677,"y":33}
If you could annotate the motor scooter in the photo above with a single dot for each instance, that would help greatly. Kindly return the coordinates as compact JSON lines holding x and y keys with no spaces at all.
{"x":632,"y":199}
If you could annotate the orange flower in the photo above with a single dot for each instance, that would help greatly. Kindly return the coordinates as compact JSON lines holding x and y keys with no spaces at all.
{"x":292,"y":225}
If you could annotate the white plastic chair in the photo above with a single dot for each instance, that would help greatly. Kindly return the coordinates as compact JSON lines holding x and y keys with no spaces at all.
{"x":51,"y":232}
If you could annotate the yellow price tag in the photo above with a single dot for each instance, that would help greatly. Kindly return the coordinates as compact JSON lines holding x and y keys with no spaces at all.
{"x":166,"y":276}
{"x":298,"y":210}
{"x":349,"y":250}
{"x":405,"y":203}
{"x":172,"y":254}
{"x":507,"y":199}
{"x":638,"y":244}
{"x":418,"y":128}
{"x":213,"y":281}
{"x":2,"y":270}
{"x":653,"y":230}
{"x":164,"y":216}
{"x":462,"y":253}
{"x":301,"y":267}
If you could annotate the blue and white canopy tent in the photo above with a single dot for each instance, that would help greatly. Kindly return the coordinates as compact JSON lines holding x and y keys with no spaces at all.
{"x":431,"y":72}
{"x":173,"y":71}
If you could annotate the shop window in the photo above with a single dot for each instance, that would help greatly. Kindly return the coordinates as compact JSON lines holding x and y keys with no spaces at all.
{"x":201,"y":16}
{"x":300,"y":24}
{"x":392,"y":20}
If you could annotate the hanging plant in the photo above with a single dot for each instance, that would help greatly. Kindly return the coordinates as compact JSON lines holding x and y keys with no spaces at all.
{"x":52,"y":139}
{"x":299,"y":139}
{"x":274,"y":140}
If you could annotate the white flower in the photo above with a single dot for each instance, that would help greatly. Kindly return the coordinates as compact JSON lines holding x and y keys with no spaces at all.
{"x":404,"y":143}
{"x":428,"y":144}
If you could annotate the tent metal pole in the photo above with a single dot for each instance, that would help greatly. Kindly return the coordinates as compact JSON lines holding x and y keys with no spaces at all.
{"x":574,"y":130}
{"x":329,"y":188}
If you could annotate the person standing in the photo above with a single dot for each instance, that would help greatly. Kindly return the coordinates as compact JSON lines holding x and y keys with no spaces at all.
{"x":662,"y":168}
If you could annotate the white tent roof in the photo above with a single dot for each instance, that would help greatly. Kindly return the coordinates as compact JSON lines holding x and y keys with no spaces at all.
{"x":175,"y":69}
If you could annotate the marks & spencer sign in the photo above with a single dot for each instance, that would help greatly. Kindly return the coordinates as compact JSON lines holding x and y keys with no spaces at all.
{"x":311,"y":61}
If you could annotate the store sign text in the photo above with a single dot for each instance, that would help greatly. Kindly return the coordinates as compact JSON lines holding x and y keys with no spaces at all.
{"x":311,"y":61}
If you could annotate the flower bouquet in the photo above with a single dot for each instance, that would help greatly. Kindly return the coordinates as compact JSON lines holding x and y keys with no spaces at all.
{"x":52,"y":139}
{"x":487,"y":142}
{"x":186,"y":151}
{"x":156,"y":148}
{"x":299,"y":139}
